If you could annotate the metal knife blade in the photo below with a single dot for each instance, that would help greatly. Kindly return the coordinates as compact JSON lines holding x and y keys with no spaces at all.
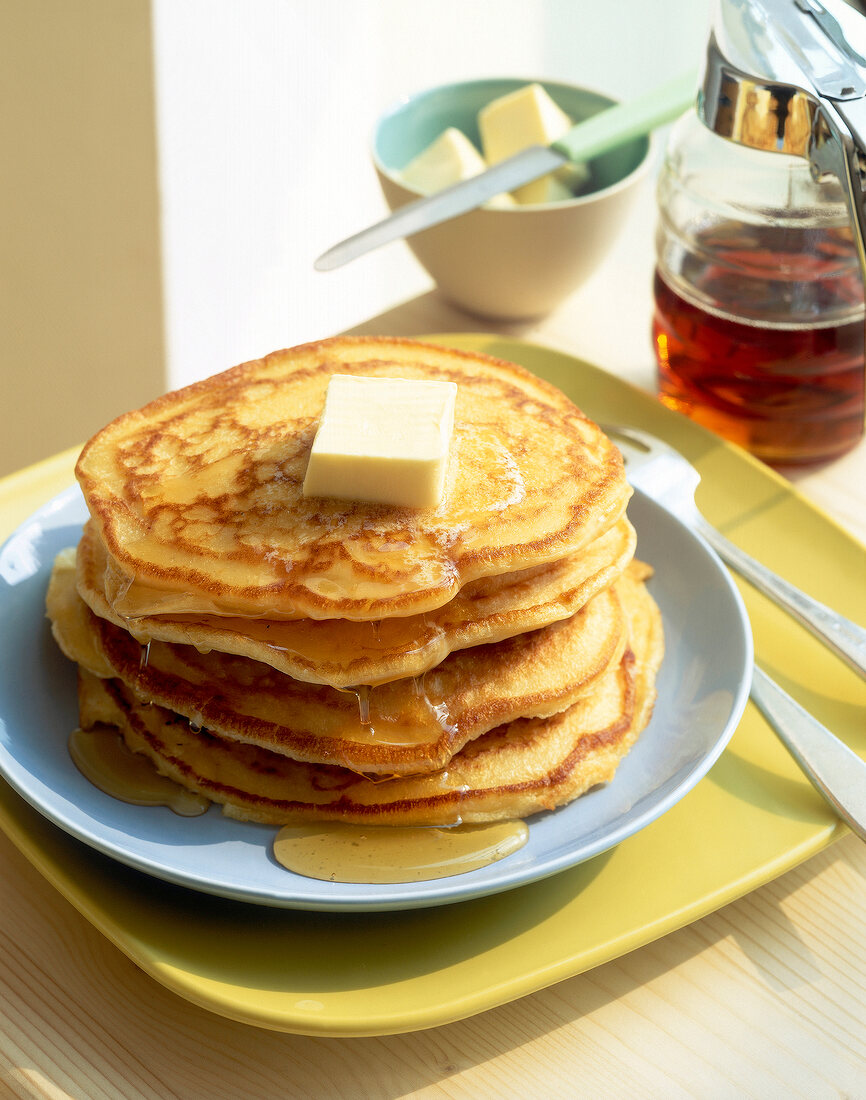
{"x":459,"y":198}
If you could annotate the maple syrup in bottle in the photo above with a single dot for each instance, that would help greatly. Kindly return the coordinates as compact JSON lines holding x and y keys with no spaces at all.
{"x":758,"y":325}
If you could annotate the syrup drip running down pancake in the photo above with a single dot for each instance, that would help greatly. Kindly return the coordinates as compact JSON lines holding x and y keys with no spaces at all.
{"x":515,"y":770}
{"x":198,"y":499}
{"x":344,"y":654}
{"x":415,"y":725}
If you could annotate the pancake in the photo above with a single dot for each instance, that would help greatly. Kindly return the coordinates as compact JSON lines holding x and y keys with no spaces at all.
{"x":70,"y":618}
{"x":415,"y":725}
{"x":344,"y":653}
{"x":231,"y":628}
{"x":515,"y":770}
{"x":198,"y":500}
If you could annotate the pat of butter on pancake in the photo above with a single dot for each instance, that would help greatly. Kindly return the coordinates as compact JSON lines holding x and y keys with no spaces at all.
{"x":383,"y":441}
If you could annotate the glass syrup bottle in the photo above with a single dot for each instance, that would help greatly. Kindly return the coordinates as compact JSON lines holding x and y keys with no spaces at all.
{"x":758,"y":324}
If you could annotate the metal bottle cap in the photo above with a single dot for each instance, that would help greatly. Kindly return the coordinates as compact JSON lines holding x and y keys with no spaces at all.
{"x":789,"y":76}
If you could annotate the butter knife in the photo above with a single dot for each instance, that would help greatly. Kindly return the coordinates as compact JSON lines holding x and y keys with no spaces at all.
{"x":596,"y":135}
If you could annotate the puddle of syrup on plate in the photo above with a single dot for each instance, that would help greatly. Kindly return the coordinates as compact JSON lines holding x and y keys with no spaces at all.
{"x":338,"y":852}
{"x":102,"y":757}
{"x":330,"y":851}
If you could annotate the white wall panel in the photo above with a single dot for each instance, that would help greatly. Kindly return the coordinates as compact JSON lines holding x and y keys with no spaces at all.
{"x":265,"y":110}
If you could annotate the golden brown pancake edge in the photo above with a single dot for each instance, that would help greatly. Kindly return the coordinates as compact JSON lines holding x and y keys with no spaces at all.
{"x":198,"y":499}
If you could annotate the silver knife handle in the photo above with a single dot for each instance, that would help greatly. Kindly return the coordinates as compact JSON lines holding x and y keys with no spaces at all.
{"x":846,"y":639}
{"x":835,"y":771}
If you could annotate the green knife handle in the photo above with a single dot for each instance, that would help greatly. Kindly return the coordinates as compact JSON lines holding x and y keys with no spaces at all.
{"x":624,"y":121}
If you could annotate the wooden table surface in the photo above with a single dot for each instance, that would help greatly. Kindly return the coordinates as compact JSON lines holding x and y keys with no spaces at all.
{"x":764,"y":998}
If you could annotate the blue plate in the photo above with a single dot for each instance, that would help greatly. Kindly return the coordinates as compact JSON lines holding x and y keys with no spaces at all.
{"x":702,"y":690}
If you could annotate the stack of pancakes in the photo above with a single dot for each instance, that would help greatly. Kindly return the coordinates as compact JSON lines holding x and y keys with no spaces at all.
{"x":300,"y":659}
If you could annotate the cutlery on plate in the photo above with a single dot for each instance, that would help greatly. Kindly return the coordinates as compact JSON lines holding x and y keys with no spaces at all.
{"x":590,"y":138}
{"x":666,"y":476}
{"x":835,"y":771}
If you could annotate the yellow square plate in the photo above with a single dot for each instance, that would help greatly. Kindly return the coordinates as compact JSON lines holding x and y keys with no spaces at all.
{"x":753,"y":817}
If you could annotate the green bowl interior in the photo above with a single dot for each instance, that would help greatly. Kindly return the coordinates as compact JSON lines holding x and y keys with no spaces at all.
{"x":411,"y":125}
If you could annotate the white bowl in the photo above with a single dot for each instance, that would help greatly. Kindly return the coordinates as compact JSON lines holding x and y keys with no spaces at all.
{"x":518,"y":262}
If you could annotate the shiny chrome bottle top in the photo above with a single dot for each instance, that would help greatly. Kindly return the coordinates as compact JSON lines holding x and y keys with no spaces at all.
{"x":789,"y":76}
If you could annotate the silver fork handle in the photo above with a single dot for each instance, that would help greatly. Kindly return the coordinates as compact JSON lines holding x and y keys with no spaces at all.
{"x":834,"y":770}
{"x":845,"y":638}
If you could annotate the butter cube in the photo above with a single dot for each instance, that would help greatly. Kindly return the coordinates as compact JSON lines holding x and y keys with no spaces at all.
{"x":528,"y":116}
{"x":449,"y":159}
{"x":383,"y":440}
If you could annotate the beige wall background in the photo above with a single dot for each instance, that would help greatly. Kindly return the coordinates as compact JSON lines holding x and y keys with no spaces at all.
{"x":81,"y":320}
